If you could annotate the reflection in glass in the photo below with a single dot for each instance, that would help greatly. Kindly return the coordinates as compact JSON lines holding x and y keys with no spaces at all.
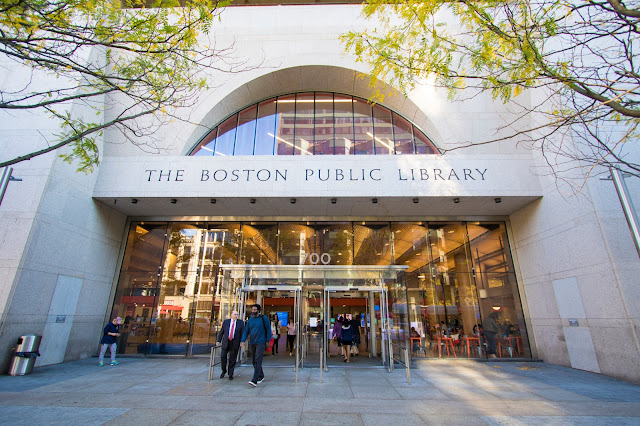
{"x":246,"y":131}
{"x":172,"y":297}
{"x":265,"y":128}
{"x":315,"y":123}
{"x":363,"y":127}
{"x":383,"y":131}
{"x":323,"y":125}
{"x":304,"y":122}
{"x":226,"y":137}
{"x":285,"y":130}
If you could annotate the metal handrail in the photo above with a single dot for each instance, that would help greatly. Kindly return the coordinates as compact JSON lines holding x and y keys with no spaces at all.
{"x":212,"y":359}
{"x":322,"y":355}
{"x":406,"y":363}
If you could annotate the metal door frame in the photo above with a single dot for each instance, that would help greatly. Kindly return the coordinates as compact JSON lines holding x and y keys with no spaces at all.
{"x":385,"y":327}
{"x":297,"y":316}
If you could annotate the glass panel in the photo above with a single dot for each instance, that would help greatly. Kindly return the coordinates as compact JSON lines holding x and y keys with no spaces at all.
{"x":145,"y":247}
{"x":323,"y":124}
{"x":497,"y":287}
{"x":246,"y":131}
{"x":398,"y":315}
{"x":372,"y":243}
{"x":259,"y":244}
{"x":383,"y":131}
{"x":343,"y":122}
{"x":205,"y":148}
{"x":304,"y":124}
{"x":436,"y":304}
{"x":286,"y":124}
{"x":265,"y":128}
{"x":135,"y":301}
{"x":182,"y":251}
{"x":295,"y":244}
{"x":403,"y":135}
{"x":423,"y":144}
{"x":337,"y":241}
{"x":226,"y":137}
{"x":363,"y":124}
{"x":315,"y":124}
{"x":171,"y":323}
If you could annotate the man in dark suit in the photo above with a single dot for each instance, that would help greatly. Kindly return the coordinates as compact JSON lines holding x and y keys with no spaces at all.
{"x":230,"y":336}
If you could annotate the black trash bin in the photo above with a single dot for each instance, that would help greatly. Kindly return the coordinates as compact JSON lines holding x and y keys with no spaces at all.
{"x":25,"y":355}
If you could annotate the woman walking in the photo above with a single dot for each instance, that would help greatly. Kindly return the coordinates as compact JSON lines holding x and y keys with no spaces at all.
{"x":337,"y":330}
{"x":291,"y":337}
{"x":347,"y":339}
{"x":275,"y":331}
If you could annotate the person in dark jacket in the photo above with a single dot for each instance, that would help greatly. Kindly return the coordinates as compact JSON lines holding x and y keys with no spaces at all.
{"x":259,"y":328}
{"x":347,"y":338}
{"x":111,"y":332}
{"x":229,"y":336}
{"x":355,"y":325}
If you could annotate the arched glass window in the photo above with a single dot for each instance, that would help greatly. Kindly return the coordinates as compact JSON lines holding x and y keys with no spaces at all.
{"x":315,"y":123}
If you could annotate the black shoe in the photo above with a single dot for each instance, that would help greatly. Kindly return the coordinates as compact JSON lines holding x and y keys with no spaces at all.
{"x":252,"y":383}
{"x":261,"y":380}
{"x":222,"y":375}
{"x":230,"y":377}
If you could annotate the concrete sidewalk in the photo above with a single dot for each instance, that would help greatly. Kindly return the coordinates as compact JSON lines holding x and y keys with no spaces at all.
{"x":176,"y":391}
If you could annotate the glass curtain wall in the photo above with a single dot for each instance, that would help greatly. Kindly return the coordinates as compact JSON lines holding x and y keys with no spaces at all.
{"x":315,"y":123}
{"x":459,"y":275}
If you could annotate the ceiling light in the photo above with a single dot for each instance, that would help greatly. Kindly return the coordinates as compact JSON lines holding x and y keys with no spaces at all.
{"x":134,"y":201}
{"x":456,"y":200}
{"x":334,"y":200}
{"x":292,"y":201}
{"x":498,"y":200}
{"x":374,"y":200}
{"x":212,"y":201}
{"x":415,"y":201}
{"x":252,"y":200}
{"x":174,"y":201}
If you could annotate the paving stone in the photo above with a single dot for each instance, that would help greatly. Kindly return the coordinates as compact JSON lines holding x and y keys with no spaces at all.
{"x":453,"y":420}
{"x":560,"y":421}
{"x":257,"y":417}
{"x":217,"y":417}
{"x":29,"y":415}
{"x":330,"y":419}
{"x":142,"y":416}
{"x":389,"y":419}
{"x":176,"y":391}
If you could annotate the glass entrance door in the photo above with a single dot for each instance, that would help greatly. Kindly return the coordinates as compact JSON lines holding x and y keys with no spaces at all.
{"x":373,"y":325}
{"x":311,"y":298}
{"x":281,"y":304}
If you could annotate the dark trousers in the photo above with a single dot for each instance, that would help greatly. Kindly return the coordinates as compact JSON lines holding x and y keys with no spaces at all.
{"x":291,"y":341}
{"x":491,"y":342}
{"x":274,"y":348}
{"x":233,"y":356}
{"x":258,"y":353}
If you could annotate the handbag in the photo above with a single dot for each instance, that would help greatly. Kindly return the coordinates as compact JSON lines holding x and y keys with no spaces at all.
{"x":354,"y":350}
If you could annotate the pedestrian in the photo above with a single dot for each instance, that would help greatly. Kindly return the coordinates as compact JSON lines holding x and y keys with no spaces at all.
{"x":355,"y":324}
{"x":111,"y":332}
{"x":337,"y":330}
{"x":275,"y":331}
{"x":291,"y":337}
{"x":347,"y":338}
{"x":230,"y":335}
{"x":490,"y":330}
{"x":258,"y":327}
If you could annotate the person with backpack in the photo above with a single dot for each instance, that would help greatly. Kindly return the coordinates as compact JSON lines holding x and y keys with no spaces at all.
{"x":259,"y":328}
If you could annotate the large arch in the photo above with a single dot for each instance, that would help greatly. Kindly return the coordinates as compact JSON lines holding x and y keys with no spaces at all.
{"x":308,"y":78}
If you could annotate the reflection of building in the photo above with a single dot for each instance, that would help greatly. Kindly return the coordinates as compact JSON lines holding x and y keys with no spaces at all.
{"x":289,"y":165}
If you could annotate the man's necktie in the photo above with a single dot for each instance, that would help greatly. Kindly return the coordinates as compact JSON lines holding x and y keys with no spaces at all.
{"x":233,"y":324}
